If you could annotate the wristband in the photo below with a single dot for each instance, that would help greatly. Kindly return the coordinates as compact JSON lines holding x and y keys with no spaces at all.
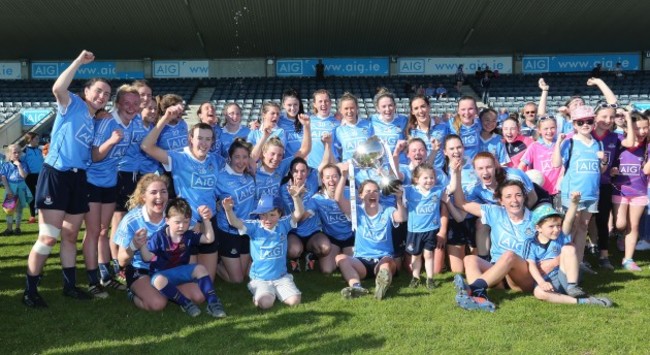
{"x":132,"y":246}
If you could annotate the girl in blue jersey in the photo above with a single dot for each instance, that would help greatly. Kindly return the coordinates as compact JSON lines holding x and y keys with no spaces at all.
{"x":268,"y":235}
{"x":232,"y":128}
{"x":334,"y":223}
{"x":321,"y":122}
{"x":146,"y":217}
{"x":466,"y":126}
{"x":421,"y":125}
{"x":427,"y":222}
{"x":289,"y":122}
{"x":61,"y":193}
{"x":584,"y":161}
{"x":352,"y":131}
{"x":208,"y":115}
{"x":511,"y":226}
{"x":373,"y":245}
{"x":33,"y":155}
{"x":490,"y":141}
{"x":235,"y":181}
{"x":145,"y":92}
{"x":194,"y":171}
{"x":13,"y":173}
{"x":386,"y":123}
{"x":270,"y":117}
{"x":174,"y":134}
{"x":114,"y":139}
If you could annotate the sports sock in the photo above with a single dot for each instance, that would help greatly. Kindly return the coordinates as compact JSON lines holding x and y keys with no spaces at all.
{"x":93,"y":278}
{"x":173,"y":294}
{"x":105,"y":271}
{"x":479,"y":288}
{"x":69,"y":277}
{"x":32,"y":283}
{"x":207,"y":288}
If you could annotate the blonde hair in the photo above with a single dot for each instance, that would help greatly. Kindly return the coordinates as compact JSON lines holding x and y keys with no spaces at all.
{"x":125,"y":89}
{"x":11,"y":147}
{"x":320,"y":92}
{"x":137,"y":198}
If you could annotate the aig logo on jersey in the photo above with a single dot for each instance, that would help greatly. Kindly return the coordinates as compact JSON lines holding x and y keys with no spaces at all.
{"x":587,"y":166}
{"x":84,"y":136}
{"x":203,"y":181}
{"x":177,"y":143}
{"x":629,"y":169}
{"x":469,"y":140}
{"x":273,"y":252}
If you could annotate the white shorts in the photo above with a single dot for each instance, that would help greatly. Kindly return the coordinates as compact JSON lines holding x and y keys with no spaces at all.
{"x":282,"y":288}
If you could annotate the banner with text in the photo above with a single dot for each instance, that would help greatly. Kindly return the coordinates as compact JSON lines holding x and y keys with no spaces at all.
{"x":10,"y":70}
{"x":32,"y":116}
{"x":449,"y":65}
{"x":181,"y":69}
{"x":108,"y":70}
{"x":579,"y":62}
{"x":333,"y":67}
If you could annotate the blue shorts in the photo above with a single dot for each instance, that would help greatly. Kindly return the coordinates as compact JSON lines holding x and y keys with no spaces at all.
{"x":590,"y":205}
{"x":62,"y":190}
{"x":177,"y":275}
{"x":463,"y":233}
{"x":97,"y":194}
{"x":232,"y":245}
{"x":416,"y":241}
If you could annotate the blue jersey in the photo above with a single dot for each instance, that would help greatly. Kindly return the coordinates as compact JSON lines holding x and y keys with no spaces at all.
{"x":362,"y":175}
{"x":536,"y":251}
{"x":134,"y":157}
{"x":169,"y":254}
{"x":241,"y":187}
{"x":390,"y":132}
{"x":438,"y":132}
{"x":216,"y":146}
{"x":348,"y":136}
{"x":374,"y":238}
{"x":310,"y":225}
{"x":269,"y":183}
{"x":505,"y":234}
{"x":471,"y":137}
{"x":294,"y":139}
{"x":333,"y":221}
{"x":318,"y":127}
{"x":495,"y":146}
{"x":136,"y":219}
{"x":173,"y":137}
{"x":256,"y":135}
{"x":482,"y":194}
{"x":147,"y":163}
{"x":103,"y":173}
{"x":583,"y":171}
{"x":10,"y":171}
{"x":33,"y":157}
{"x":72,"y":135}
{"x":195,"y":180}
{"x":423,"y":208}
{"x":227,"y":138}
{"x":268,"y":248}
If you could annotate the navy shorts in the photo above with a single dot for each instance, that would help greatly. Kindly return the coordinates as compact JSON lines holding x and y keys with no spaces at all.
{"x":170,"y":189}
{"x":126,"y":182}
{"x":99,"y":194}
{"x":232,"y":245}
{"x":62,"y":190}
{"x":463,"y":233}
{"x":342,"y":243}
{"x":399,"y":239}
{"x":132,"y":274}
{"x":416,"y":241}
{"x":209,"y":248}
{"x":370,"y":265}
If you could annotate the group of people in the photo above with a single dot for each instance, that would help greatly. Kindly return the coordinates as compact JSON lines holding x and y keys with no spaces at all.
{"x":228,"y":201}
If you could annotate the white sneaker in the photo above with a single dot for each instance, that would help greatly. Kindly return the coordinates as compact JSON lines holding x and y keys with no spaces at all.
{"x":642,"y":245}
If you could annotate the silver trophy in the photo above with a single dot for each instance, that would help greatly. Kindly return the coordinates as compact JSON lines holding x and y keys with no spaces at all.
{"x":374,"y":154}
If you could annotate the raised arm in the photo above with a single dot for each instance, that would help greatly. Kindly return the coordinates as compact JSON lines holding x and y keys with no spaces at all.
{"x":327,"y":155}
{"x":570,"y":215}
{"x":233,"y":220}
{"x":339,"y":195}
{"x":62,"y":83}
{"x":541,"y":106}
{"x":149,"y":143}
{"x":607,"y":92}
{"x":296,"y":193}
{"x":399,"y":147}
{"x":453,"y":211}
{"x":208,"y":230}
{"x":556,"y":158}
{"x":257,"y":149}
{"x":305,"y":147}
{"x":459,"y":196}
{"x":629,"y":140}
{"x":400,"y":215}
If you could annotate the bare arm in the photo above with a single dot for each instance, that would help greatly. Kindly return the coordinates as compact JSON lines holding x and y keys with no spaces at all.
{"x":299,"y":208}
{"x":257,"y":149}
{"x":459,"y":196}
{"x":208,"y":230}
{"x":607,"y":92}
{"x":541,"y":107}
{"x":99,"y":153}
{"x":556,"y":159}
{"x":400,"y":215}
{"x":234,"y":221}
{"x":305,"y":147}
{"x":62,"y":83}
{"x":149,"y":143}
{"x":629,"y":140}
{"x":339,"y":195}
{"x":399,"y":147}
{"x":327,"y":155}
{"x":125,"y":254}
{"x":537,"y":276}
{"x":570,"y":215}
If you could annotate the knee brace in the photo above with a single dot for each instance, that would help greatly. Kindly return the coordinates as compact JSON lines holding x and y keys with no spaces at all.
{"x":41,"y":248}
{"x":48,"y":230}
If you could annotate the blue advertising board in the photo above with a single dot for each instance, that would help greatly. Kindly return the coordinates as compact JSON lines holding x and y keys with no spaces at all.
{"x":32,"y":116}
{"x":52,"y":70}
{"x":579,"y":62}
{"x":333,"y":67}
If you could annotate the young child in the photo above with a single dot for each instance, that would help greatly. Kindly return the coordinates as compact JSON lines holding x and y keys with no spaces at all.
{"x":552,"y":259}
{"x":13,"y":172}
{"x":427,"y":221}
{"x":268,"y":235}
{"x":169,"y":253}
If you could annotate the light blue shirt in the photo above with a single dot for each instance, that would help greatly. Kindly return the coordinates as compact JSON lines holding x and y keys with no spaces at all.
{"x":505,"y":234}
{"x":318,"y":127}
{"x":423,"y":208}
{"x":242,"y":189}
{"x":134,"y":220}
{"x":72,"y":135}
{"x":347,"y":137}
{"x":374,"y":238}
{"x":268,"y":248}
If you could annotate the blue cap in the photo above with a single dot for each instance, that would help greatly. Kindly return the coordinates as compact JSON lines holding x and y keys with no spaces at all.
{"x":267,"y":203}
{"x":544,"y":210}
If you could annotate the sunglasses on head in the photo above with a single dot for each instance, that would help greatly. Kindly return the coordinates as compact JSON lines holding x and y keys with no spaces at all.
{"x":606,"y":105}
{"x":580,"y":123}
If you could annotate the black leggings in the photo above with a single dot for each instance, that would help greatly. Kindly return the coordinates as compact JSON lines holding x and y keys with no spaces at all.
{"x":602,"y":217}
{"x":31,"y":181}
